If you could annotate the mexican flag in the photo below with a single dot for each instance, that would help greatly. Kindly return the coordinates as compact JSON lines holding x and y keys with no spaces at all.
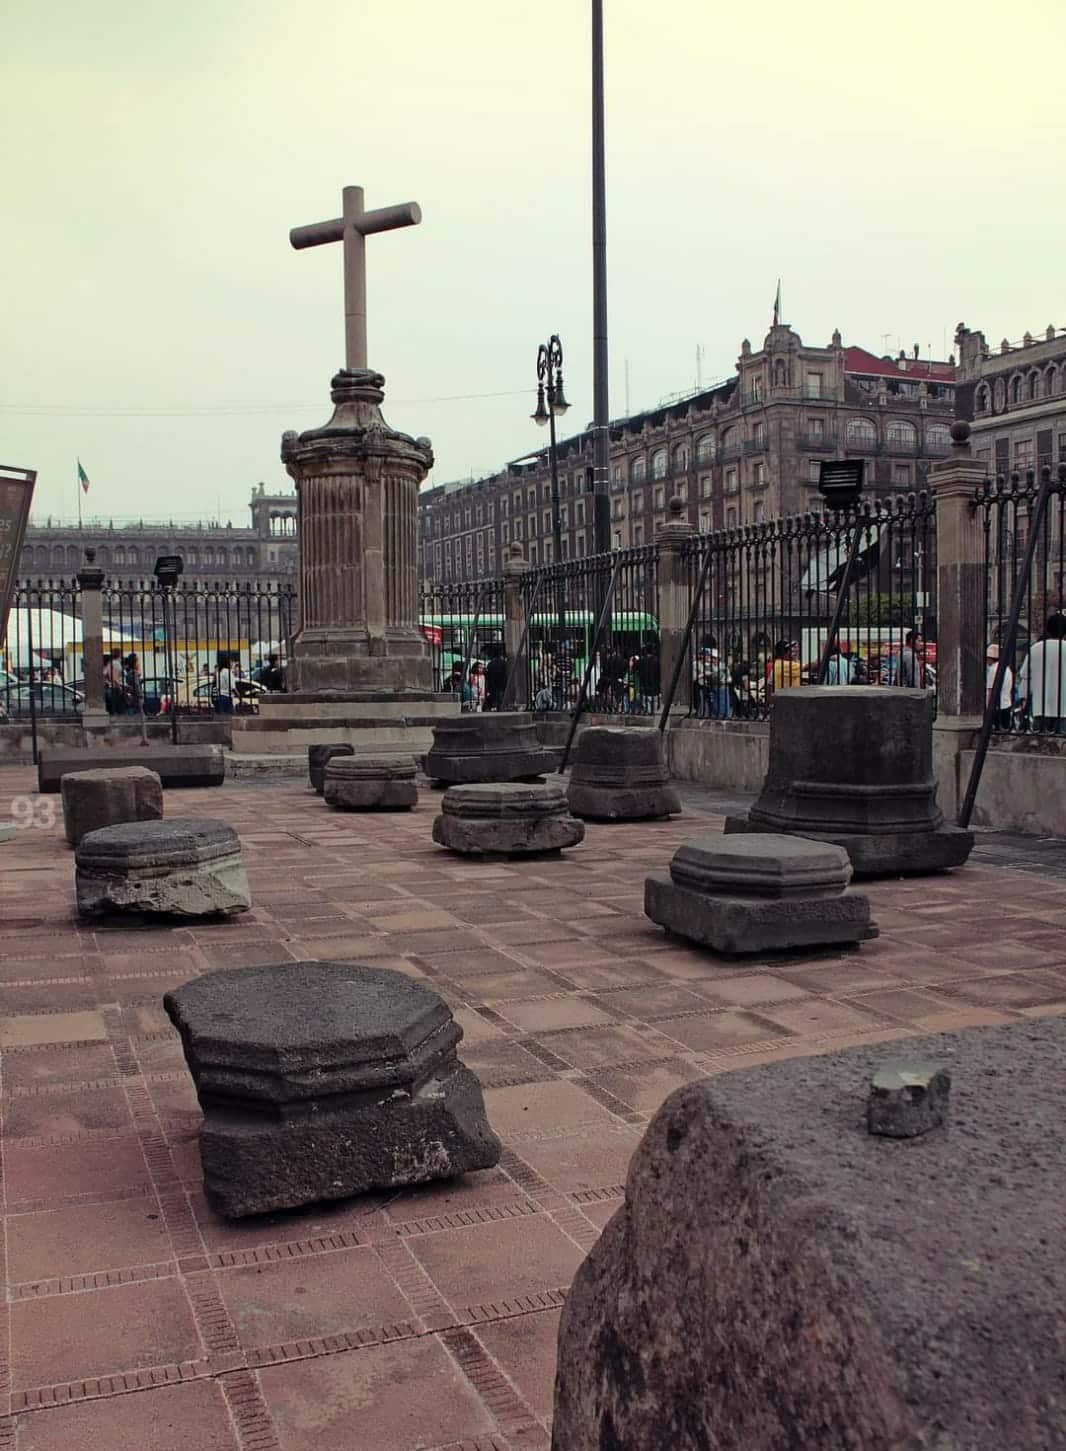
{"x":83,"y":478}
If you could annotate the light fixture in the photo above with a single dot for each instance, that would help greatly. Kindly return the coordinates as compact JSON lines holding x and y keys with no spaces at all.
{"x":541,"y":416}
{"x":559,"y":403}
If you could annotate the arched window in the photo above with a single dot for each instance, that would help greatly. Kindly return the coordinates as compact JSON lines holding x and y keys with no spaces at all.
{"x":120,"y":555}
{"x":1016,"y":388}
{"x":860,"y":433}
{"x":938,"y":438}
{"x":984,"y":399}
{"x":658,"y":464}
{"x":1051,"y":381}
{"x":190,"y":556}
{"x":638,"y":469}
{"x":1033,"y":390}
{"x":758,"y":434}
{"x":729,"y":439}
{"x":901,"y":434}
{"x":681,"y":458}
{"x":705,"y":448}
{"x":237,"y":560}
{"x":131,"y":558}
{"x":251,"y":558}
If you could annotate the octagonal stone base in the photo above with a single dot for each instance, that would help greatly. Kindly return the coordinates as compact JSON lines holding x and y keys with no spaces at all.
{"x":180,"y":868}
{"x":506,"y":818}
{"x":742,"y":925}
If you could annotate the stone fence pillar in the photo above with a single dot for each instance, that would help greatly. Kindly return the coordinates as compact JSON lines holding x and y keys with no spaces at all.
{"x":515,"y":569}
{"x":94,"y":717}
{"x":675,"y":601}
{"x":960,"y":663}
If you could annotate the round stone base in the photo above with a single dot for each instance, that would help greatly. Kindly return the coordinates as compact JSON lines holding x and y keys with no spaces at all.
{"x":370,"y":795}
{"x":622,"y":803}
{"x":501,"y":837}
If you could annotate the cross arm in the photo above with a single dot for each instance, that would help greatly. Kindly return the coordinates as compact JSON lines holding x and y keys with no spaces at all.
{"x":384,"y":219}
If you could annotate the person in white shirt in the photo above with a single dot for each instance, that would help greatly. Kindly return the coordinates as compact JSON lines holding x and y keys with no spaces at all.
{"x":224,"y":686}
{"x":1002,"y":717}
{"x":1042,"y":681}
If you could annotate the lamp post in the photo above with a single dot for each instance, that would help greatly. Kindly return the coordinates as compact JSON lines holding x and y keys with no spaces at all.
{"x":552,"y":404}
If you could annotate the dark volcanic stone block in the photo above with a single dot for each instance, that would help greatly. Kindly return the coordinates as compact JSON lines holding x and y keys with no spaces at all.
{"x":371,"y":783}
{"x":94,"y":799}
{"x":317,"y":757}
{"x":184,"y":867}
{"x":494,"y":746}
{"x":176,"y":766}
{"x":746,"y":894}
{"x":506,"y":818}
{"x":620,"y":775}
{"x":320,"y":1080}
{"x":779,"y":1278}
{"x":908,"y":1099}
{"x":854,"y":765}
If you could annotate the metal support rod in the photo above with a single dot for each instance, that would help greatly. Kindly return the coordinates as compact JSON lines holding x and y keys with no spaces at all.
{"x":523,"y":644}
{"x":557,"y":521}
{"x":29,"y":647}
{"x":170,"y":629}
{"x":601,"y":625}
{"x":842,"y":599}
{"x":1006,"y":646}
{"x":601,"y":418}
{"x":470,"y":645}
{"x":679,"y":663}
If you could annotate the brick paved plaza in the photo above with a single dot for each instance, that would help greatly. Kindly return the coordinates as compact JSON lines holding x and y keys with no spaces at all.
{"x":137,"y":1321}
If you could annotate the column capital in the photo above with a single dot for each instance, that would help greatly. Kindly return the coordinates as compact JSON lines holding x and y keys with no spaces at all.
{"x":675,"y":533}
{"x":514,"y":564}
{"x":90,"y":576}
{"x":960,"y":474}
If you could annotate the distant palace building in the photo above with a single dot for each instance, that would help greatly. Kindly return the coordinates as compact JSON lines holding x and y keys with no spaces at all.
{"x":744,"y":450}
{"x":1016,"y":398}
{"x":265,"y":553}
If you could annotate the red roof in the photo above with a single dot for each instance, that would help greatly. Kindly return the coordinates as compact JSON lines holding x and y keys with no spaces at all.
{"x":858,"y":360}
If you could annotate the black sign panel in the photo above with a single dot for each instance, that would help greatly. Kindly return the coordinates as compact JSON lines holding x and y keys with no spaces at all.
{"x":16,"y":494}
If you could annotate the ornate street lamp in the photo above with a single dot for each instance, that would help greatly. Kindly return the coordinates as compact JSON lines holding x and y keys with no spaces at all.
{"x":552,"y":404}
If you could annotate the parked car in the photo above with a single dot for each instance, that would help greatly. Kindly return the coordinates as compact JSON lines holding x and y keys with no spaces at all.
{"x":49,"y":699}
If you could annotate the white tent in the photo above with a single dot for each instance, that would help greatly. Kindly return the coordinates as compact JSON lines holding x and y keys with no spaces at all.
{"x":38,"y":634}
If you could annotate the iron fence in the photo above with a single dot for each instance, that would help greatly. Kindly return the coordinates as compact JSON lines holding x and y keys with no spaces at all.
{"x":463,"y":622}
{"x":165,"y":648}
{"x":1032,"y":696}
{"x":563,"y":604}
{"x":766,"y":594}
{"x":40,"y":656}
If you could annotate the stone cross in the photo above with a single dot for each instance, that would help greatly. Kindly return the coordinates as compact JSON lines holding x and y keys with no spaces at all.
{"x":352,"y":228}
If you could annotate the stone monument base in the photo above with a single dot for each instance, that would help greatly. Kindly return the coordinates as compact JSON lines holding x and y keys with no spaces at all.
{"x":760,"y":894}
{"x":176,"y":766}
{"x":506,"y":819}
{"x":885,"y":854}
{"x":371,"y":783}
{"x":497,"y":746}
{"x":620,"y":775}
{"x":370,"y":722}
{"x":185,"y":867}
{"x":94,"y":799}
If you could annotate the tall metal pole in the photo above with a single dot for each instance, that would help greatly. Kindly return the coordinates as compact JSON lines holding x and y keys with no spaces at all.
{"x":601,"y":446}
{"x":557,"y":521}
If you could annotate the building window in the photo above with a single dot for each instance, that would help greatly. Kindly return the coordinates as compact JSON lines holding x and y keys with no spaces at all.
{"x":532,"y":551}
{"x":638,"y":535}
{"x":758,"y":435}
{"x":756,"y":388}
{"x":730,"y":481}
{"x":682,"y":491}
{"x":579,"y":511}
{"x":861,"y":433}
{"x":901,"y":475}
{"x":730,"y":518}
{"x":1016,"y":389}
{"x":638,"y":470}
{"x":759,"y":514}
{"x":681,"y":458}
{"x":814,"y":471}
{"x":760,"y":475}
{"x":984,"y":399}
{"x":505,"y":533}
{"x":616,"y":476}
{"x":658,"y":464}
{"x":705,"y":523}
{"x":531,"y":498}
{"x":938,"y":437}
{"x":660,"y":499}
{"x":729,"y":442}
{"x":503,"y":508}
{"x":814,"y":385}
{"x":1062,"y":448}
{"x":901,"y":434}
{"x":1024,"y":453}
{"x":548,"y":551}
{"x":705,"y":486}
{"x":518,"y":529}
{"x":705,"y":448}
{"x":547,"y":520}
{"x":816,"y":429}
{"x":564,"y":515}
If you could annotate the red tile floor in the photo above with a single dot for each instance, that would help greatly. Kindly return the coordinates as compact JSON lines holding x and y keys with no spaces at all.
{"x":137,"y":1321}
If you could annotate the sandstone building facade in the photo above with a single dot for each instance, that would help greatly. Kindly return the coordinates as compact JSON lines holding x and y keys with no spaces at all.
{"x":1015,"y":398}
{"x":744,"y":450}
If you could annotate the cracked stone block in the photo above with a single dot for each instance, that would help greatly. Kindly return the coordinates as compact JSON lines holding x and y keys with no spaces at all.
{"x":506,"y":818}
{"x":318,"y":757}
{"x":321,"y":1080}
{"x":758,"y":893}
{"x":184,"y":867}
{"x":908,"y":1099}
{"x":94,"y":799}
{"x":371,"y":783}
{"x":620,"y":775}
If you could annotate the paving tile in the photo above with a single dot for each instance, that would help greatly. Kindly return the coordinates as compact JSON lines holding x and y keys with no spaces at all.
{"x":46,"y":1115}
{"x":83,"y":1239}
{"x":48,"y":1066}
{"x":525,"y":1349}
{"x":644,"y":1087}
{"x":63,"y":1337}
{"x":748,"y":990}
{"x":657,"y":1000}
{"x":908,"y":1004}
{"x":815,"y":1016}
{"x":514,"y":982}
{"x":40,"y":1028}
{"x":546,"y":1014}
{"x":598,"y":1047}
{"x":588,"y":1160}
{"x":398,"y":1397}
{"x":531,"y":1108}
{"x":707,"y":1032}
{"x":88,"y":1166}
{"x":313,"y":1295}
{"x":190,"y":1417}
{"x":488,"y":1263}
{"x":1016,"y":990}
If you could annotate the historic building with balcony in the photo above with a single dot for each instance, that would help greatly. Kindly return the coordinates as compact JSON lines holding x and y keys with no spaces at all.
{"x":1015,"y":399}
{"x":744,"y":450}
{"x":214,"y":554}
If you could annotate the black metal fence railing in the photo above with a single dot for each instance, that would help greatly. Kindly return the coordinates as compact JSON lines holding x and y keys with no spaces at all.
{"x":464,"y":625}
{"x":768,"y":595}
{"x":1032,"y":695}
{"x":168,"y":649}
{"x":563,"y":603}
{"x":40,"y":657}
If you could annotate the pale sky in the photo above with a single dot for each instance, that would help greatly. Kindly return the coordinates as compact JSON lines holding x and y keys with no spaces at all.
{"x":900,"y":167}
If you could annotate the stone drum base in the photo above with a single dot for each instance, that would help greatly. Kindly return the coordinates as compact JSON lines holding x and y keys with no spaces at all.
{"x":320,"y":1080}
{"x":506,"y":819}
{"x":186,"y":867}
{"x":620,"y":775}
{"x":371,"y":783}
{"x":497,"y":746}
{"x":760,"y":894}
{"x":885,"y":854}
{"x":95,"y":799}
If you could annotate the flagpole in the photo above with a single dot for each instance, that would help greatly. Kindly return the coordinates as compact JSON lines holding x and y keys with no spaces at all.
{"x":77,"y":485}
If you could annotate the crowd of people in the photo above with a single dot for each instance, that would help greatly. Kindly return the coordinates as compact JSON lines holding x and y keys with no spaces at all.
{"x":1035,"y":700}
